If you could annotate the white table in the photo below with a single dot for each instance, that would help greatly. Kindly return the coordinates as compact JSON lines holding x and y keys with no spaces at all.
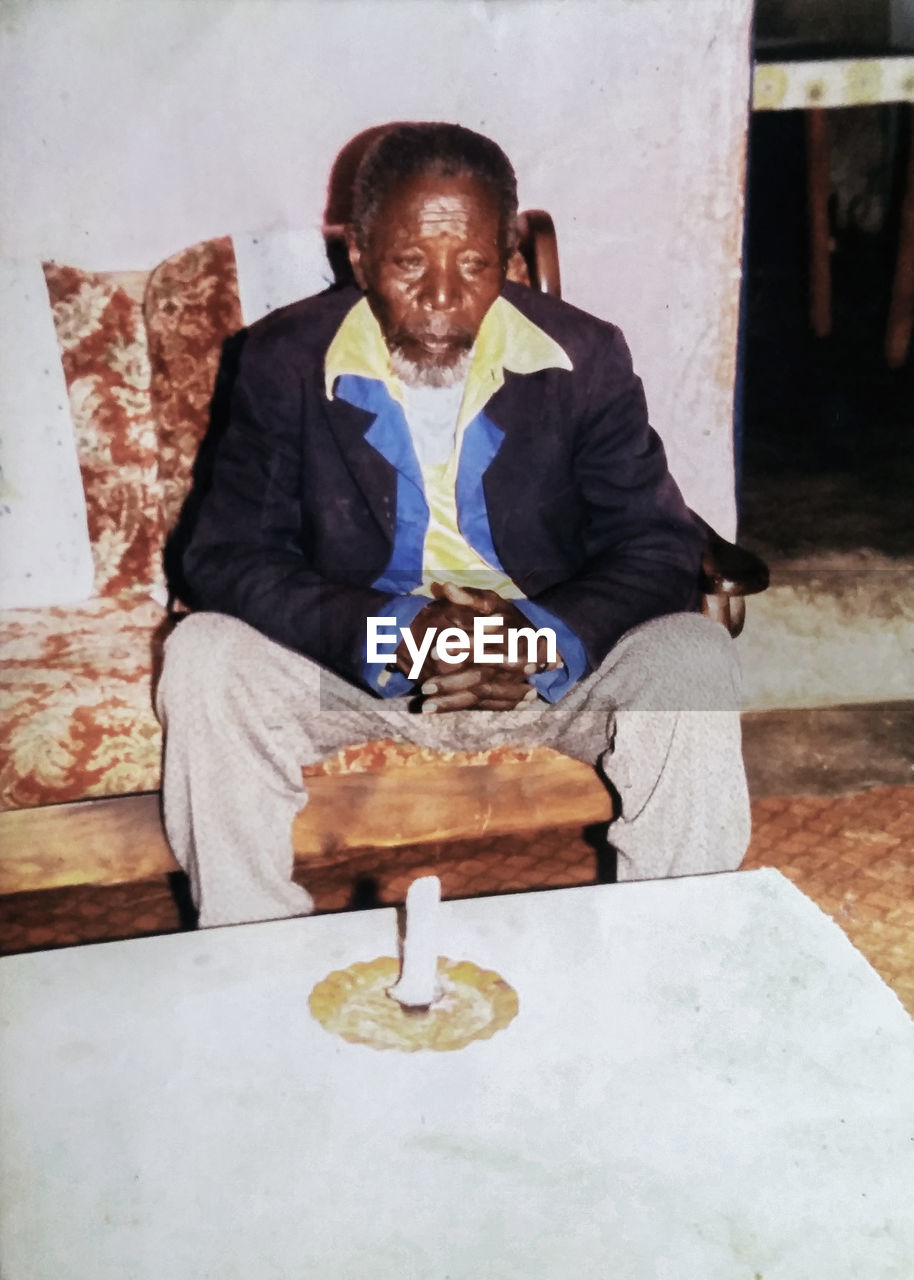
{"x":704,"y":1082}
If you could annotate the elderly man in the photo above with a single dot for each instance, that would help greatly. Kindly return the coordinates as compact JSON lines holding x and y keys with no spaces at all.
{"x":435,"y":448}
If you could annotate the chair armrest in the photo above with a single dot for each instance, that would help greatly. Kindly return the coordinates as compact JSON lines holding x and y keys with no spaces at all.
{"x":728,"y":574}
{"x":727,"y":569}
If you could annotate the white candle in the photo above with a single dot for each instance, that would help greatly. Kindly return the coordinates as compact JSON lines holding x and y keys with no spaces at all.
{"x":418,"y":984}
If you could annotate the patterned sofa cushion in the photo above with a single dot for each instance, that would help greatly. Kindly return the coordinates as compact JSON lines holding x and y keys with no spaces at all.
{"x":76,"y":717}
{"x":76,"y":685}
{"x":102,"y":340}
{"x":191,"y":307}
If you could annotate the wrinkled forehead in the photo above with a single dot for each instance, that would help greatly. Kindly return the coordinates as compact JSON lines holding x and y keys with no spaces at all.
{"x":431,"y":204}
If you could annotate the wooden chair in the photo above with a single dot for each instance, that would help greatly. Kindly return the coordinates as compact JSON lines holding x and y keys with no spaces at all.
{"x":432,"y":803}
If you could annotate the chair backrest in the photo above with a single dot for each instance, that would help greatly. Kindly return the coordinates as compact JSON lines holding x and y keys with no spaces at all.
{"x":538,"y":248}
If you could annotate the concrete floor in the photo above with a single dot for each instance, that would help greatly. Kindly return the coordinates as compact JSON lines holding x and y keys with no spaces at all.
{"x":826,"y":497}
{"x":829,"y":751}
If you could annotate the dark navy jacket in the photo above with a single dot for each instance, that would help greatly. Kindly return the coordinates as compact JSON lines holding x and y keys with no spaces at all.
{"x":299,"y":518}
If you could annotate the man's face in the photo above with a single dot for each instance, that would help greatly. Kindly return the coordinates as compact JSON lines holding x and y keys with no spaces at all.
{"x":432,"y":268}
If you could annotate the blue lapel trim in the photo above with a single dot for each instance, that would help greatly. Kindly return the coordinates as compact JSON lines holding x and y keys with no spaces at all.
{"x":389,"y":436}
{"x":481,"y":442}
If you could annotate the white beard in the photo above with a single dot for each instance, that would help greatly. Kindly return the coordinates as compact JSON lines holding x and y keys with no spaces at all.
{"x":434,"y":375}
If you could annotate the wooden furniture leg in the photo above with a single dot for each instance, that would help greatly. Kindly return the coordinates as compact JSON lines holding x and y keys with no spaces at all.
{"x":901,"y":309}
{"x":818,"y":184}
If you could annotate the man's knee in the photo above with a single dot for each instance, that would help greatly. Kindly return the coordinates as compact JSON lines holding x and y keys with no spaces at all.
{"x":207,"y":656}
{"x":218,"y":662}
{"x":200,"y":643}
{"x":682,"y":661}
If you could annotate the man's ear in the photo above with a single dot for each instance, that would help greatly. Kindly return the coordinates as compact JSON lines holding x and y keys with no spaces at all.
{"x":355,"y":258}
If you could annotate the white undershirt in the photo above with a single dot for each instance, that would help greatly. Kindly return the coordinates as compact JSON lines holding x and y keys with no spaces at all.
{"x":431,"y":415}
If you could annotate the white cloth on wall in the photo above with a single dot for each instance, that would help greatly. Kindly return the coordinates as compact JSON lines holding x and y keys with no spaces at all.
{"x":641,"y":166}
{"x":45,"y":556}
{"x":279,"y":267}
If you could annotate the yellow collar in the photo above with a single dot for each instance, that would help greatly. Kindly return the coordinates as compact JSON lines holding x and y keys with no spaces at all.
{"x":506,"y":340}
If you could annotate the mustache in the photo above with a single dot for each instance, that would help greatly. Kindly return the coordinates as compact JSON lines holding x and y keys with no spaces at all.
{"x":455,"y":335}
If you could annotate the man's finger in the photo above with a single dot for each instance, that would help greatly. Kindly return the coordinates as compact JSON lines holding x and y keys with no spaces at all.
{"x":472,"y":700}
{"x":456,"y":595}
{"x":466,"y":695}
{"x":462,"y":701}
{"x":491,"y":704}
{"x":486,"y":678}
{"x":479,"y":599}
{"x":453,"y":682}
{"x":468,"y":702}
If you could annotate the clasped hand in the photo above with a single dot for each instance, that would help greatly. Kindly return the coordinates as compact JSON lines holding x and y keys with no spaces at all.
{"x":494,"y":685}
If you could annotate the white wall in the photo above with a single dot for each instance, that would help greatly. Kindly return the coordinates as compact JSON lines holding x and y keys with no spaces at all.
{"x":134,"y":127}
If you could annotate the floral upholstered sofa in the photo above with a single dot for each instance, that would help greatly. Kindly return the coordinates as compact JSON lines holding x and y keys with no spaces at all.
{"x":80,"y":746}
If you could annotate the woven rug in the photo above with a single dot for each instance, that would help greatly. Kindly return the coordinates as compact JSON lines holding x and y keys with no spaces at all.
{"x":854,"y":856}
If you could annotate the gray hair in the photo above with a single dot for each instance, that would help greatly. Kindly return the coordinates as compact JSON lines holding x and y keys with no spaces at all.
{"x":407,"y":151}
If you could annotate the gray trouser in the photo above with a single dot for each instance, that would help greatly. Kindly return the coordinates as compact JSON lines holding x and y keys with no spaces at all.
{"x":242,"y":715}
